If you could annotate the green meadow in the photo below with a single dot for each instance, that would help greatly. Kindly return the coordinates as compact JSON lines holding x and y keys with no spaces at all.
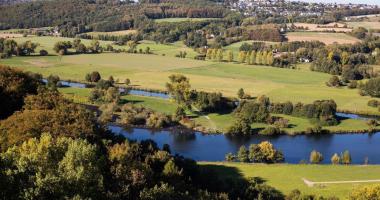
{"x":286,"y":177}
{"x":152,"y":71}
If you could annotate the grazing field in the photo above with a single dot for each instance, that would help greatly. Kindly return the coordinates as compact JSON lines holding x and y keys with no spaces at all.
{"x":113,"y":33}
{"x":152,"y":71}
{"x":338,"y":27}
{"x":289,"y":177}
{"x":80,"y":95}
{"x":235,"y":46}
{"x":170,"y":50}
{"x":367,"y":25}
{"x":173,"y":20}
{"x":47,"y":42}
{"x":327,"y":38}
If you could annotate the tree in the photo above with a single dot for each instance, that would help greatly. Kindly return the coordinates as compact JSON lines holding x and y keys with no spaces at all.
{"x":242,"y":56}
{"x":220,"y":55}
{"x":346,"y":157}
{"x":179,"y":113}
{"x":370,"y":192}
{"x":95,"y":46}
{"x":171,"y":169}
{"x":372,"y":87}
{"x":270,"y":58}
{"x":316,"y":157}
{"x":230,"y":56}
{"x":264,"y":58}
{"x":345,"y":58}
{"x":241,"y":93}
{"x":111,"y":80}
{"x":253,"y":57}
{"x":62,"y":47}
{"x":179,"y":88}
{"x":52,"y":81}
{"x":335,"y":159}
{"x":15,"y":85}
{"x":242,"y":154}
{"x":230,"y":157}
{"x":95,"y":76}
{"x":241,"y":126}
{"x":265,"y":153}
{"x":334,"y":81}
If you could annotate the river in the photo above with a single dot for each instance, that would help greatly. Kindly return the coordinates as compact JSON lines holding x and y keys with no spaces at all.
{"x":205,"y":147}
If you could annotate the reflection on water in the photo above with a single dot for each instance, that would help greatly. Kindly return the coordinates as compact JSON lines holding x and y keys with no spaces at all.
{"x":204,"y":147}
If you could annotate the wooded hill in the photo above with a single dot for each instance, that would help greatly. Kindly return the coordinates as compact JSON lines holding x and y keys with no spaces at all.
{"x":100,"y":15}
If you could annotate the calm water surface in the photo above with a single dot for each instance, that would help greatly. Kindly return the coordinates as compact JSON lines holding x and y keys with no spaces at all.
{"x":202,"y":147}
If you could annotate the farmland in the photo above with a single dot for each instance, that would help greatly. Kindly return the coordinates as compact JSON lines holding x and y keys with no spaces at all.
{"x":289,"y":177}
{"x":327,"y":38}
{"x":367,"y":25}
{"x":151,"y":71}
{"x":337,"y":27}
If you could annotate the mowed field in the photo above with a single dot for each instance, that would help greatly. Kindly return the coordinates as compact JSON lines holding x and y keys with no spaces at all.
{"x":113,"y":33}
{"x":338,"y":27}
{"x":236,"y":46}
{"x":286,"y":177}
{"x":367,"y":25}
{"x":152,"y":71}
{"x":327,"y":38}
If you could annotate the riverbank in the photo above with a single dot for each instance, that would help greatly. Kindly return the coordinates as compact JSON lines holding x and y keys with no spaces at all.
{"x":213,"y":123}
{"x":287,"y":177}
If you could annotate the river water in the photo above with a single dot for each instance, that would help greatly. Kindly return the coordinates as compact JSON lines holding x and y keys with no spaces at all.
{"x":204,"y":147}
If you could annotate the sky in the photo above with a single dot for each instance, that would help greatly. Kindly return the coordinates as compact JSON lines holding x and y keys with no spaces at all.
{"x":373,"y":2}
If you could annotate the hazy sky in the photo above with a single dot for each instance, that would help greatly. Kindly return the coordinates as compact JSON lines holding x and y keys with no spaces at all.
{"x":374,"y":2}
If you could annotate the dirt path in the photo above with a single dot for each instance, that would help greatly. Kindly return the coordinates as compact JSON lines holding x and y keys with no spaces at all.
{"x":311,"y":183}
{"x":212,"y":124}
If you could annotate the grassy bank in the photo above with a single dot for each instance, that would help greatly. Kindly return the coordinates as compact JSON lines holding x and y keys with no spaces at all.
{"x":287,"y":177}
{"x":217,"y":121}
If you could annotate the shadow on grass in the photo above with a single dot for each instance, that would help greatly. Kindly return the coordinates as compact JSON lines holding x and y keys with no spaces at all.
{"x":230,"y":180}
{"x":125,"y":101}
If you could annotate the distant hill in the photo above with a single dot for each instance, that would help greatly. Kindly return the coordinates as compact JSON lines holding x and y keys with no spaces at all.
{"x":76,"y":16}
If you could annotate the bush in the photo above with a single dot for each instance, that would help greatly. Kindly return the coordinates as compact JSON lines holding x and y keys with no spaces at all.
{"x":373,"y":103}
{"x":270,"y":130}
{"x":316,"y":157}
{"x":353,"y":84}
{"x":372,"y":87}
{"x":334,"y":82}
{"x":43,"y":52}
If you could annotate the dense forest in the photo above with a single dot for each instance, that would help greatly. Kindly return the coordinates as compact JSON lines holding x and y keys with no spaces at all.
{"x":107,"y":15}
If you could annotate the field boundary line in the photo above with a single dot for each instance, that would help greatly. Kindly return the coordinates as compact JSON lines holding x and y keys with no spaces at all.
{"x":312,"y":183}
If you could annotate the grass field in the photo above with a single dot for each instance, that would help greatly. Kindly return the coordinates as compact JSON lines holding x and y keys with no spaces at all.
{"x":367,"y":25}
{"x":286,"y":177}
{"x":327,"y":38}
{"x":235,"y":46}
{"x":173,"y":20}
{"x":152,"y":71}
{"x":113,"y":33}
{"x":338,"y":27}
{"x":80,"y":95}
